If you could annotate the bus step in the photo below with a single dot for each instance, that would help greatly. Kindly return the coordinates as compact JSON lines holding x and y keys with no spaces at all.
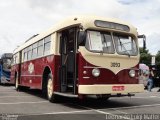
{"x":70,"y":86}
{"x":67,"y":94}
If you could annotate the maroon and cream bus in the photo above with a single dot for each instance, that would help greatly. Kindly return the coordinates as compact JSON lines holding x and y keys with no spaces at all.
{"x":78,"y":57}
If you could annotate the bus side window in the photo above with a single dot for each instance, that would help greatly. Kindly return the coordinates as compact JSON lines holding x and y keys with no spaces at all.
{"x":12,"y":61}
{"x":24,"y":55}
{"x":47,"y":44}
{"x":40,"y":48}
{"x":15,"y":58}
{"x":29,"y":53}
{"x":34,"y":50}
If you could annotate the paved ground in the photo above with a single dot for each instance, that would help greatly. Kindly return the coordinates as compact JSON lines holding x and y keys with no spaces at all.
{"x":30,"y":105}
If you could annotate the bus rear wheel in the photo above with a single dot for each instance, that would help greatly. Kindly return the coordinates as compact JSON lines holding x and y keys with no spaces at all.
{"x":16,"y":84}
{"x":50,"y":94}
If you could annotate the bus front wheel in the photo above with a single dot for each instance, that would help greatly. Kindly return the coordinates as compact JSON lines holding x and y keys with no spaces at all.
{"x":102,"y":97}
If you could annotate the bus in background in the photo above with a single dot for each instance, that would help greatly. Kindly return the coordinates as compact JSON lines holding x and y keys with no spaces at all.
{"x":80,"y":56}
{"x":5,"y":68}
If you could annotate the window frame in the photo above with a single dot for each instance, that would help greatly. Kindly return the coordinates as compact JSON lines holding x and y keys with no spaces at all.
{"x":133,"y":39}
{"x":47,"y":41}
{"x":38,"y":45}
{"x":113,"y":41}
{"x":102,"y":34}
{"x":29,"y":52}
{"x":35,"y":47}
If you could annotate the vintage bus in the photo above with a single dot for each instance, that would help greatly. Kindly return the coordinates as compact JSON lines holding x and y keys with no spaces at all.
{"x":80,"y":56}
{"x":5,"y":68}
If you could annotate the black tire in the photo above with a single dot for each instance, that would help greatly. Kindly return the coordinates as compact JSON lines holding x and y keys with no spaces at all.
{"x":50,"y":94}
{"x":19,"y":87}
{"x":16,"y":84}
{"x":102,"y":97}
{"x":146,"y":87}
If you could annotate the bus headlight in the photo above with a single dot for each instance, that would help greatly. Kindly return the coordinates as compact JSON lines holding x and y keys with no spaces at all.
{"x":95,"y":72}
{"x":132,"y":73}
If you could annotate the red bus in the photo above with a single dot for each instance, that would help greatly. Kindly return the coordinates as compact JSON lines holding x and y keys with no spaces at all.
{"x":80,"y":56}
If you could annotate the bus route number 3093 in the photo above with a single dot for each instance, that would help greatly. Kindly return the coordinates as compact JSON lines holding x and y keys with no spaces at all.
{"x":115,"y":64}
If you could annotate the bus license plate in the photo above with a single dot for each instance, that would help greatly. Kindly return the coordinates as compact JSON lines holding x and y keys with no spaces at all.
{"x":118,"y":88}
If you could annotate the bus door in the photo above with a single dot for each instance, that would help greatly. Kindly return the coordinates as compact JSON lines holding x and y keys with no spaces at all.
{"x":19,"y":67}
{"x":68,"y":48}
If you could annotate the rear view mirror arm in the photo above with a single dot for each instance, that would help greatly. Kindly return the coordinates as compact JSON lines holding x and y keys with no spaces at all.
{"x":144,"y":40}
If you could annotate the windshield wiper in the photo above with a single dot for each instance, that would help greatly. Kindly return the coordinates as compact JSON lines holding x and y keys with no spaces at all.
{"x":124,"y":48}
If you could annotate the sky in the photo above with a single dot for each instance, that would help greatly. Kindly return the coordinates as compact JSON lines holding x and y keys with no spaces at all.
{"x":21,"y":19}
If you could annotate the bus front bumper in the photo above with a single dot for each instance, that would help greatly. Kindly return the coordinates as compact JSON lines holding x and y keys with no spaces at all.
{"x":110,"y":89}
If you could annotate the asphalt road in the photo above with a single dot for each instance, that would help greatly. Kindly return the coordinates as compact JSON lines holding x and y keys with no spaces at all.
{"x":30,"y":105}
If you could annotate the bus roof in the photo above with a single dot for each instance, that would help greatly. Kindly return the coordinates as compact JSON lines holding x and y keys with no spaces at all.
{"x":86,"y":21}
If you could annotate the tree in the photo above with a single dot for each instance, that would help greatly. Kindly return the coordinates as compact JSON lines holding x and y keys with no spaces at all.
{"x":158,"y":58}
{"x":145,"y":56}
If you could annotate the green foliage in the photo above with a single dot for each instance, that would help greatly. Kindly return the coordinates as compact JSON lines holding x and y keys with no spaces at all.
{"x":158,"y":58}
{"x":145,"y":56}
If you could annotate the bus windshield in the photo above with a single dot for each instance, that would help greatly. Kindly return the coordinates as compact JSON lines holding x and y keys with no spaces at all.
{"x":125,"y":45}
{"x":102,"y":42}
{"x":6,"y":64}
{"x":99,"y":42}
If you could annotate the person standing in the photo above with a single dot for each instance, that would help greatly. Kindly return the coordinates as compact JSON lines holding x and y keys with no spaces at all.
{"x":150,"y":80}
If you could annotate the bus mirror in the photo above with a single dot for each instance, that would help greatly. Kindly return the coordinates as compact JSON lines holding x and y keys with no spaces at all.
{"x":81,"y":37}
{"x":144,"y":40}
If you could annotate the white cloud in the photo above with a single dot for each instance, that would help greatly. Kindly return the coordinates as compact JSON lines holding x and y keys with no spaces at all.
{"x":145,"y":15}
{"x":153,"y":42}
{"x":20,"y":19}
